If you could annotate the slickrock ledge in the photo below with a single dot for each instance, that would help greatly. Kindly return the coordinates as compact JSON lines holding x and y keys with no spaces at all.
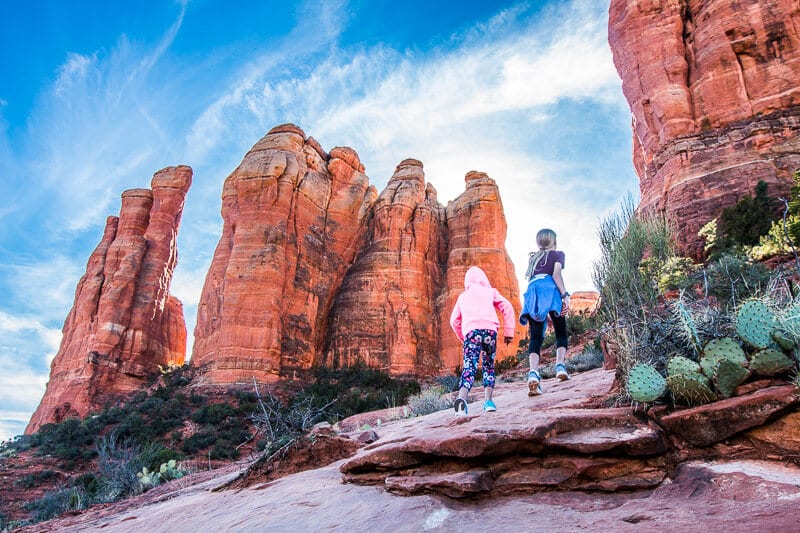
{"x":530,"y":444}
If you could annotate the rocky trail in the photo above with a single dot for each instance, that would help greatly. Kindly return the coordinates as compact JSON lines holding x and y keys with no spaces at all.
{"x":555,"y":462}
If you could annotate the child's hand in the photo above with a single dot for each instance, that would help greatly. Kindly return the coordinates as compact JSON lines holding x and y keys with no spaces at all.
{"x":565,"y":305}
{"x":508,"y":340}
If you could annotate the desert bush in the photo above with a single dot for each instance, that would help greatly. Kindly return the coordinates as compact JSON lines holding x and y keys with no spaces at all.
{"x":279,"y":425}
{"x":66,"y":440}
{"x":746,"y":221}
{"x":58,"y":502}
{"x":32,"y":480}
{"x":449,"y":383}
{"x":731,"y":278}
{"x":119,"y":460}
{"x":429,"y":400}
{"x":356,"y":389}
{"x":627,"y":291}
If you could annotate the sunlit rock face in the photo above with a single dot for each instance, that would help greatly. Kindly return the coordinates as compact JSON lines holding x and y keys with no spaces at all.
{"x":294,"y":217}
{"x":714,"y":92}
{"x":384,"y":314}
{"x":476,"y":225}
{"x":315,"y":268}
{"x":394,"y":307}
{"x":124,"y":323}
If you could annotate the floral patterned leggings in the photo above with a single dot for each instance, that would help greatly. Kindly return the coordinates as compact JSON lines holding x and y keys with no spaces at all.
{"x":477,"y":341}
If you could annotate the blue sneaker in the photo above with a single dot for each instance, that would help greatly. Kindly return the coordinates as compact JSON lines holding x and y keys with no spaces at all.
{"x":561,"y":372}
{"x":533,"y":383}
{"x":460,"y":407}
{"x":489,"y":406}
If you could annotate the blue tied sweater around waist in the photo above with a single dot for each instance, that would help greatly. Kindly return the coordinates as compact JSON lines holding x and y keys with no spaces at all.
{"x":541,"y":297}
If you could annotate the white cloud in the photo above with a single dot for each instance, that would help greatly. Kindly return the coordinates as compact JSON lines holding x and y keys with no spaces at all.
{"x":46,"y":288}
{"x":22,"y":387}
{"x":72,"y":72}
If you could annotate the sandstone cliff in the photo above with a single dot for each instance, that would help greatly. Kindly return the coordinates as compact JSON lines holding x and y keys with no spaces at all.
{"x":293,"y":216}
{"x":394,"y":307}
{"x":477,"y":227}
{"x":714,"y":92}
{"x":315,"y":268}
{"x":384,"y":314}
{"x":124,"y":323}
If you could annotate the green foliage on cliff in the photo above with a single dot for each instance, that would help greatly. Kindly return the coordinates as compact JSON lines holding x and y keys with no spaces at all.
{"x":751,"y":217}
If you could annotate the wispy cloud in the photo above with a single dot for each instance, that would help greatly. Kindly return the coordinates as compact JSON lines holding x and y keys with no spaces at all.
{"x":487,"y":101}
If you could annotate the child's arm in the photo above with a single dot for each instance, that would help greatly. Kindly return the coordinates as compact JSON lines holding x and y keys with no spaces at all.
{"x":560,"y":284}
{"x":455,"y":321}
{"x":507,"y":310}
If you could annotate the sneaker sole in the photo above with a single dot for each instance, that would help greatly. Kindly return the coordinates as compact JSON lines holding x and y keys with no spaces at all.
{"x":490,"y":410}
{"x":562,"y":376}
{"x":534,"y":389}
{"x":460,"y":407}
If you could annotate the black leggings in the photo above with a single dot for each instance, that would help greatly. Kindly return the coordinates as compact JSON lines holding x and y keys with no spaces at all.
{"x":537,"y":332}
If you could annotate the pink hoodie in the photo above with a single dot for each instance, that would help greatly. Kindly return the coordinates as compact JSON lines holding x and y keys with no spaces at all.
{"x":475,"y":307}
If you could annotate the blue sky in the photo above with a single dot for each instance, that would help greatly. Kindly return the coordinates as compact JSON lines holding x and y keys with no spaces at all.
{"x":96,"y":96}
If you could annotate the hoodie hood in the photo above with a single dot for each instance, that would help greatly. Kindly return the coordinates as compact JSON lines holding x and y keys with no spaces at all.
{"x":476,"y":276}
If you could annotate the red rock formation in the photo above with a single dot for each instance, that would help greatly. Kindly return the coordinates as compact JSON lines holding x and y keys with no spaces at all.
{"x":384,"y":314}
{"x":302,"y":228}
{"x":293,"y":216}
{"x":584,"y":303}
{"x":714,"y":90}
{"x":476,"y":227}
{"x":124,"y":323}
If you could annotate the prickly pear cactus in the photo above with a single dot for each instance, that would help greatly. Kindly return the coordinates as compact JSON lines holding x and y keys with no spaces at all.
{"x":721,"y":349}
{"x":645,"y":384}
{"x":755,"y":324}
{"x":681,"y":365}
{"x":770,"y":362}
{"x":693,"y":388}
{"x":728,"y":375}
{"x":783,"y":340}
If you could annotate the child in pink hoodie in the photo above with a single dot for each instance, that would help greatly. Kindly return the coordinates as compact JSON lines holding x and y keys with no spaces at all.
{"x":474,"y":319}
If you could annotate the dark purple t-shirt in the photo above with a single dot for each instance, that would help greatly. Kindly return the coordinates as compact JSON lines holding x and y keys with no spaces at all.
{"x":548,"y":263}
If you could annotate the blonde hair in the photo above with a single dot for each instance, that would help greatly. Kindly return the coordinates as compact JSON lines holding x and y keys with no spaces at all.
{"x":545,"y":238}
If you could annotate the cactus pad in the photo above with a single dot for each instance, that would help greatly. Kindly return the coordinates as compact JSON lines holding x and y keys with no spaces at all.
{"x":728,"y":375}
{"x":693,"y":388}
{"x":755,"y":324}
{"x":783,"y":340}
{"x":718,"y":349}
{"x":681,"y":365}
{"x":770,"y":362}
{"x":645,"y":384}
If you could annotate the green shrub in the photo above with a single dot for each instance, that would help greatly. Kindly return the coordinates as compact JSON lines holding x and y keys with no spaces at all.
{"x":627,"y":291}
{"x":66,"y":440}
{"x":429,"y":400}
{"x":449,"y":383}
{"x":118,"y":462}
{"x":58,"y":502}
{"x":750,"y":218}
{"x":32,"y":480}
{"x":354,"y":390}
{"x":731,"y":278}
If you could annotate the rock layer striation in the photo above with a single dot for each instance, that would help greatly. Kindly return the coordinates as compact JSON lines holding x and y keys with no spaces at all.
{"x":123,"y":323}
{"x":714,"y":92}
